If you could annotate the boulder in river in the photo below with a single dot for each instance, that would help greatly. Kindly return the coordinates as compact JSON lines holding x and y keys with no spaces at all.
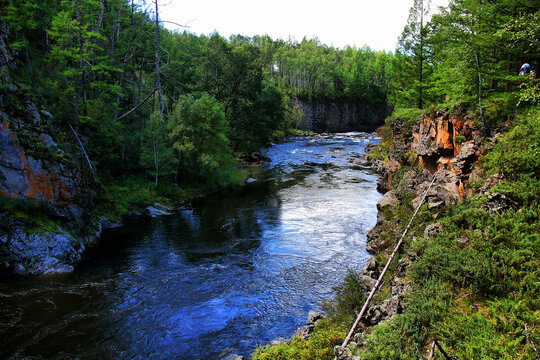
{"x":157,"y":210}
{"x":314,"y":317}
{"x":305,"y":331}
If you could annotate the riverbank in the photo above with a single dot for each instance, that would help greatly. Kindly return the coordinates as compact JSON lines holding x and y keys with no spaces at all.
{"x":470,"y":258}
{"x":46,"y":237}
{"x":52,"y":210}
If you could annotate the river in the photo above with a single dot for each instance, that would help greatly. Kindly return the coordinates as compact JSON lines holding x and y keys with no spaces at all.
{"x":219,"y":276}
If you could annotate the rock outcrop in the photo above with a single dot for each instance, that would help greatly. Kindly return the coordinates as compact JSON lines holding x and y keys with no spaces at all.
{"x":30,"y":166}
{"x":305,"y":331}
{"x":446,"y":147}
{"x":45,"y":252}
{"x":446,"y":143}
{"x":34,"y":168}
{"x":324,"y":116}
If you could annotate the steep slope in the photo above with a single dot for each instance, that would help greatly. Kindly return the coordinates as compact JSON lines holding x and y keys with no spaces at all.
{"x":42,"y":202}
{"x":468,"y":274}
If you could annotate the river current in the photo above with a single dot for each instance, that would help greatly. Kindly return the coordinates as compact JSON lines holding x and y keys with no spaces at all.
{"x":219,"y":276}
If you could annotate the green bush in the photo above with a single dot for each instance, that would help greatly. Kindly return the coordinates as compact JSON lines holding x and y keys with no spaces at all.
{"x":349,"y":297}
{"x":319,"y":346}
{"x":517,"y":153}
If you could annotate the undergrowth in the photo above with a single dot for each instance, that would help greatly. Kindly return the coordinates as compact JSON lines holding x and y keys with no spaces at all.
{"x":476,"y":285}
{"x":35,"y":215}
{"x":320,"y":345}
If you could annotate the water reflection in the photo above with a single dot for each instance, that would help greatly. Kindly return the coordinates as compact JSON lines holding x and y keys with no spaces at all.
{"x":229,"y":272}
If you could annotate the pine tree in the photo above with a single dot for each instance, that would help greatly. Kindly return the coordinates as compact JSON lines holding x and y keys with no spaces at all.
{"x":412,"y":56}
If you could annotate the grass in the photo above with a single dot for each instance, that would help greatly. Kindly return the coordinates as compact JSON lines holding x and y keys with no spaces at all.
{"x":35,"y":216}
{"x":319,"y":346}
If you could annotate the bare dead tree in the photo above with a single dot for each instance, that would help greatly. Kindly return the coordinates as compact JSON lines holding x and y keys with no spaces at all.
{"x":158,"y":80}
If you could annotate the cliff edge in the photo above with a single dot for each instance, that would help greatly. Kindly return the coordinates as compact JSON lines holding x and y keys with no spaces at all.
{"x":41,"y":186}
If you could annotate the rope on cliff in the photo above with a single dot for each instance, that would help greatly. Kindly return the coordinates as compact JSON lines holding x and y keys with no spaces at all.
{"x":432,"y":351}
{"x":398,"y":245}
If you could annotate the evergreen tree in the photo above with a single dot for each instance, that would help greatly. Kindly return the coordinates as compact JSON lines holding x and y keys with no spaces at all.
{"x":412,"y":58}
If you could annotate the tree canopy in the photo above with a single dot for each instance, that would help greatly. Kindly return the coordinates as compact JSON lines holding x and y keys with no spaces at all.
{"x":104,"y":67}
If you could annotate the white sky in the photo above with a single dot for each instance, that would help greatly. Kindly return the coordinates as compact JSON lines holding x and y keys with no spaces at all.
{"x":376,"y":23}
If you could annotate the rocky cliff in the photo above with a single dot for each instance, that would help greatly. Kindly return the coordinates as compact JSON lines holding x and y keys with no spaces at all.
{"x":40,"y":185}
{"x":444,"y":145}
{"x":326,"y":116}
{"x":442,"y":141}
{"x":32,"y":166}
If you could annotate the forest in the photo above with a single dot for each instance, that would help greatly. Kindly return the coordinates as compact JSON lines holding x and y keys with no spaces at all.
{"x":155,"y":107}
{"x":149,"y":114}
{"x":178,"y":107}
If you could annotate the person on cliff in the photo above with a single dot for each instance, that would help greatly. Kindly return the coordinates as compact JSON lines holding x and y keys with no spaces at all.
{"x":524,"y":68}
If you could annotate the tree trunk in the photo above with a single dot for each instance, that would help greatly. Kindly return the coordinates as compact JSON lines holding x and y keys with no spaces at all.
{"x":140,"y":80}
{"x":133,"y":55}
{"x":158,"y":82}
{"x":156,"y":160}
{"x":421,"y":74}
{"x":480,"y":89}
{"x":121,"y":84}
{"x":100,"y":18}
{"x":29,"y":67}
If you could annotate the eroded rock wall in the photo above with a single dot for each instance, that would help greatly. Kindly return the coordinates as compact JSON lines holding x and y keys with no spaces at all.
{"x":446,"y":142}
{"x":34,"y":167}
{"x":40,"y":176}
{"x":325,"y":116}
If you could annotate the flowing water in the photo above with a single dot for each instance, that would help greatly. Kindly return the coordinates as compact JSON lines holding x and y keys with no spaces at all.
{"x":219,"y":276}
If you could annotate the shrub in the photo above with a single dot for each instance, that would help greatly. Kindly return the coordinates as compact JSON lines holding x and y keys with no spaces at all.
{"x":349,"y":297}
{"x":319,"y":346}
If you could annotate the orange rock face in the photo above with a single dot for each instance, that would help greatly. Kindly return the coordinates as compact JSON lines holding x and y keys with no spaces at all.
{"x":438,"y":142}
{"x":23,"y":176}
{"x":446,"y":143}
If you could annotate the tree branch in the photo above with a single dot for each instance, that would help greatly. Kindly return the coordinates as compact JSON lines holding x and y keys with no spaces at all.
{"x":92,"y":169}
{"x":177,"y":24}
{"x":528,"y":336}
{"x":155,"y":89}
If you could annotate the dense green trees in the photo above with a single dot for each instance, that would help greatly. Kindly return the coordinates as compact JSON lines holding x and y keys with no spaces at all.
{"x":311,"y":70}
{"x":156,"y":154}
{"x":103,"y":68}
{"x":411,"y":59}
{"x":92,"y":61}
{"x":468,"y":56}
{"x":232,"y":73}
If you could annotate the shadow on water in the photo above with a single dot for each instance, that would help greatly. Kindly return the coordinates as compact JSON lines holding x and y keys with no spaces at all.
{"x":221,"y":275}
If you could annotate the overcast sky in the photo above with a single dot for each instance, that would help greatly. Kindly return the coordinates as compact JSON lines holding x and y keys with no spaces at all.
{"x":376,"y":23}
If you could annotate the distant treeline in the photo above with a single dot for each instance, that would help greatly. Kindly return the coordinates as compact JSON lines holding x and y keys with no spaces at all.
{"x":93,"y":63}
